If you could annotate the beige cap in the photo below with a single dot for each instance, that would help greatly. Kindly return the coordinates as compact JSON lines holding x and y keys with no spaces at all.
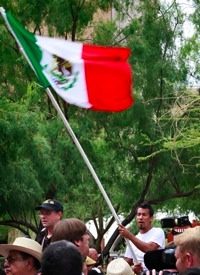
{"x":119,"y":267}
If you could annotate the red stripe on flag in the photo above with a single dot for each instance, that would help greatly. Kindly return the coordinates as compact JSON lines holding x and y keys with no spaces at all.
{"x":93,"y":52}
{"x":108,"y":85}
{"x":108,"y":77}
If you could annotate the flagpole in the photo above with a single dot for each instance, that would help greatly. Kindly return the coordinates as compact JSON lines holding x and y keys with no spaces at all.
{"x":88,"y":163}
{"x":81,"y":151}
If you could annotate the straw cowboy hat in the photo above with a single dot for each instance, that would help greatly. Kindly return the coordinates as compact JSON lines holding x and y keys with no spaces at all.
{"x":23,"y":244}
{"x":119,"y":267}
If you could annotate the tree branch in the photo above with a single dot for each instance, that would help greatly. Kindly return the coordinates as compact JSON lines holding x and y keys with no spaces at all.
{"x":18,"y":224}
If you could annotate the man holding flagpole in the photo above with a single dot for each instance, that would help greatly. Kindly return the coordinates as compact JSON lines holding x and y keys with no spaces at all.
{"x":149,"y":238}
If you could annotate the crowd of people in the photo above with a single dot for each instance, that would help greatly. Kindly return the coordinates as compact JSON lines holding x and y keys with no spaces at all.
{"x":62,"y":247}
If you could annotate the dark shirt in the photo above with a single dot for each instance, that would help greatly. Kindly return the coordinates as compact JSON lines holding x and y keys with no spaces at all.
{"x":95,"y":271}
{"x":43,"y":239}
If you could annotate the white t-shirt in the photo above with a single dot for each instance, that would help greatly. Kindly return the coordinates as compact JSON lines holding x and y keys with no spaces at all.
{"x":155,"y":235}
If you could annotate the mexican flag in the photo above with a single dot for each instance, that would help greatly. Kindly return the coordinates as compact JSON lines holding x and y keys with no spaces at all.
{"x":89,"y":76}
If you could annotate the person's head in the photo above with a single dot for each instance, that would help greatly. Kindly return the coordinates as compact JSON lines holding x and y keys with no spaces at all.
{"x":22,"y":257}
{"x":187,"y":249}
{"x":144,"y":216}
{"x":50,"y":212}
{"x":73,"y":230}
{"x":93,"y":253}
{"x":119,"y":267}
{"x":61,"y":258}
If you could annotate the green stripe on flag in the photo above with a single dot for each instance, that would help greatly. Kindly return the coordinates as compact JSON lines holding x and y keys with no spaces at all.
{"x":28,"y":42}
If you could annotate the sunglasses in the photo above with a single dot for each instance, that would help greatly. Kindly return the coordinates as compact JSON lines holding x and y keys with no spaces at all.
{"x":12,"y":259}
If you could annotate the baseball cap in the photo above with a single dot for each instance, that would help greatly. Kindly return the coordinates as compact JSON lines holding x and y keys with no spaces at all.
{"x":50,"y":204}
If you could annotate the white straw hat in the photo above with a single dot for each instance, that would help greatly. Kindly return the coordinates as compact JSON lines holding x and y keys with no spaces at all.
{"x":25,"y":245}
{"x":119,"y":267}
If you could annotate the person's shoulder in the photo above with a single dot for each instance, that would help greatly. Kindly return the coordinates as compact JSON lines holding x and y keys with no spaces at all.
{"x":157,"y":229}
{"x":41,"y":235}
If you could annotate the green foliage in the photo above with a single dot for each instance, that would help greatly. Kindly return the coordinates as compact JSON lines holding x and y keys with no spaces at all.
{"x":190,"y":53}
{"x":16,"y":172}
{"x":68,"y":18}
{"x":196,"y":15}
{"x":105,"y":33}
{"x":159,"y":151}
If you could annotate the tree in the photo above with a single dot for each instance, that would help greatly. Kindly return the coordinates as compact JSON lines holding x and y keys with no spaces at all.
{"x":157,"y":168}
{"x":28,"y":170}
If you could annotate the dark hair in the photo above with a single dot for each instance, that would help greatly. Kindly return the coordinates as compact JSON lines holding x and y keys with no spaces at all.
{"x":69,"y":229}
{"x":145,"y":205}
{"x":61,"y":258}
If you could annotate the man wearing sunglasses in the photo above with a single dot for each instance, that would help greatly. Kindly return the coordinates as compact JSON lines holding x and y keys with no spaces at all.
{"x":23,"y":257}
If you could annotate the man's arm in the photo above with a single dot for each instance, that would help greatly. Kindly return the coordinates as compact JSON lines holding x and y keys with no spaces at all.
{"x":129,"y":260}
{"x":143,"y":246}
